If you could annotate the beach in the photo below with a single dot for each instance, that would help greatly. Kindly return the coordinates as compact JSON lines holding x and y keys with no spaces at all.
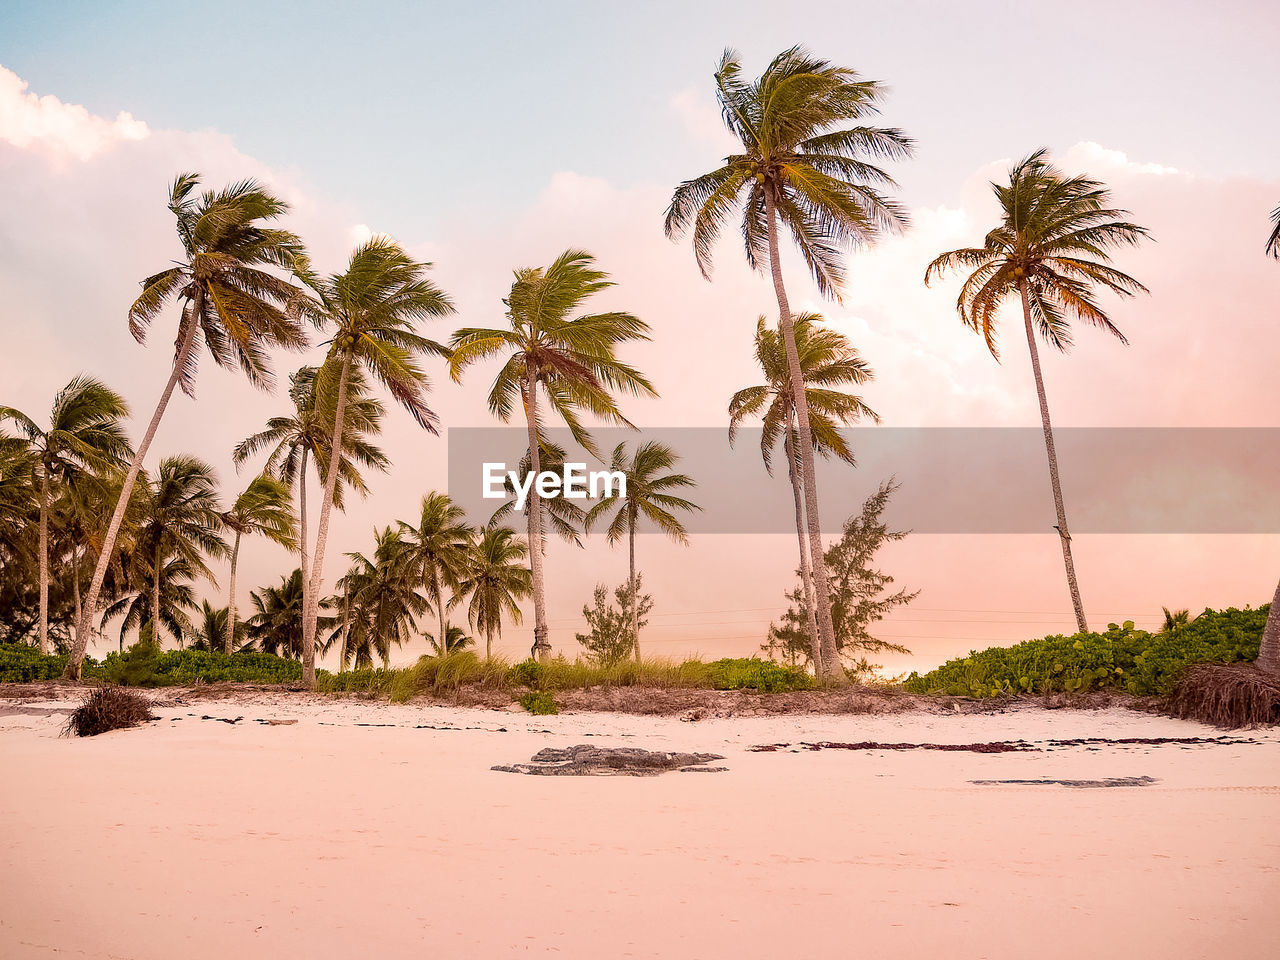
{"x":275,"y":825}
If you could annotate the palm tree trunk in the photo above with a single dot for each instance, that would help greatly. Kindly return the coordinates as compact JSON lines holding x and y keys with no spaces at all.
{"x":635,"y":590}
{"x":831,"y":669}
{"x":76,"y":660}
{"x":541,"y":642}
{"x":302,"y":520}
{"x":488,"y":643}
{"x":806,"y":575}
{"x":310,"y":603}
{"x":44,"y":559}
{"x":444,"y":624}
{"x":1269,"y":650}
{"x":1063,"y":534}
{"x":155,"y":597}
{"x":229,"y":643}
{"x":75,"y":584}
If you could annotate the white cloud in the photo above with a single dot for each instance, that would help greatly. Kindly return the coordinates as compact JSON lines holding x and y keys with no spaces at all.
{"x":63,"y":129}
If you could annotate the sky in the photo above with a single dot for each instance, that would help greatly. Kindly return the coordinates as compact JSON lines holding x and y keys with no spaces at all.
{"x":487,"y":137}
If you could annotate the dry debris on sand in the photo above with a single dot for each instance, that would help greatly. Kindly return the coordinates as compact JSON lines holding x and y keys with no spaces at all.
{"x":108,"y":708}
{"x":587,"y":761}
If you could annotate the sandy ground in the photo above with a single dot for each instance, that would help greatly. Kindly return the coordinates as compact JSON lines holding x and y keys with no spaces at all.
{"x":367,"y":829}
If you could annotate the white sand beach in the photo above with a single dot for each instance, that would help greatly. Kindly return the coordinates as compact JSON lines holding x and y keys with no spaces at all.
{"x":367,"y":829}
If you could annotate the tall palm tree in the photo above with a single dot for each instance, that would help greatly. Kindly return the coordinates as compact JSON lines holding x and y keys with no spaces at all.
{"x":559,"y":515}
{"x":650,"y":494}
{"x":373,"y":307}
{"x":497,"y":579}
{"x":827,"y":363}
{"x":233,"y":303}
{"x":1273,"y":241}
{"x":151,"y":603}
{"x":178,"y":520}
{"x":806,"y":161}
{"x":437,"y":547}
{"x":571,"y":358}
{"x":264,"y":508}
{"x":304,"y":437}
{"x":85,"y":433}
{"x":377,"y":601}
{"x":1050,"y":250}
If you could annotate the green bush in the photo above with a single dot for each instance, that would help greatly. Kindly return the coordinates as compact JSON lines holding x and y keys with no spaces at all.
{"x":1121,"y":658}
{"x":20,"y":663}
{"x":752,"y":673}
{"x":142,"y":665}
{"x":540,"y":703}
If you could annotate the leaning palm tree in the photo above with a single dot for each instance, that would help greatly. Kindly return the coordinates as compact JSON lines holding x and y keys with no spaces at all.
{"x":649,"y":495}
{"x":1273,"y":241}
{"x":437,"y":547}
{"x":85,"y":433}
{"x":373,"y":307}
{"x":827,"y":363}
{"x":496,"y":579}
{"x":233,"y":303}
{"x":571,"y":358}
{"x":807,"y":161}
{"x":264,"y":508}
{"x":1050,"y":250}
{"x":178,"y":520}
{"x":303,"y":437}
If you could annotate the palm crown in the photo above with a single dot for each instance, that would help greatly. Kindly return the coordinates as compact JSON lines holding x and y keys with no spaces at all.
{"x":237,"y":305}
{"x":827,"y":363}
{"x":85,"y":430}
{"x":806,"y":154}
{"x":1053,"y":243}
{"x":265,"y":508}
{"x":649,"y":493}
{"x":496,"y":579}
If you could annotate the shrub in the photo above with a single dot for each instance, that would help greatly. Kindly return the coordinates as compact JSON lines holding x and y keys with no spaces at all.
{"x":540,"y":703}
{"x":20,"y":663}
{"x":752,"y":673}
{"x":1121,"y":658}
{"x":108,"y":708}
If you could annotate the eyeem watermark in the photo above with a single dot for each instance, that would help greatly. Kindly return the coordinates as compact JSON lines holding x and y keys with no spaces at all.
{"x":574,"y":483}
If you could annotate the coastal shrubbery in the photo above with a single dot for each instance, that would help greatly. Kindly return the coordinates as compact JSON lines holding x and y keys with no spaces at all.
{"x":144,"y":665}
{"x":1121,"y":658}
{"x":20,"y":663}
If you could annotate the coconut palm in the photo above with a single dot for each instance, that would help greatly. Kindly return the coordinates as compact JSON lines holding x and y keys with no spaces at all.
{"x":438,"y":547}
{"x":649,"y":495}
{"x":373,"y":307}
{"x":559,"y":515}
{"x":377,"y":601}
{"x":276,"y":623}
{"x":214,"y":628}
{"x":571,"y":358}
{"x":178,"y":520}
{"x":456,"y":640}
{"x":827,"y":363}
{"x":496,"y":580}
{"x":1050,"y":250}
{"x":807,"y":161}
{"x":150,"y":604}
{"x":233,"y":304}
{"x":85,"y":433}
{"x":264,"y":508}
{"x":1273,"y":241}
{"x":304,"y":436}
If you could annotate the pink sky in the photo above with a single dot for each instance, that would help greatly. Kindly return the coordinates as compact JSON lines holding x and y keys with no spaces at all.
{"x":85,"y":220}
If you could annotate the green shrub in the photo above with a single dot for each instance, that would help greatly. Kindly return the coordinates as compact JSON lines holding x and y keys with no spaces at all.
{"x":752,"y":673}
{"x":540,"y":703}
{"x":526,"y":673}
{"x":1121,"y":658}
{"x":20,"y":663}
{"x":142,"y":665}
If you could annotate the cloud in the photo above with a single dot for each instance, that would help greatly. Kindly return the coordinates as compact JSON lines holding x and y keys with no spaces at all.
{"x":61,"y":130}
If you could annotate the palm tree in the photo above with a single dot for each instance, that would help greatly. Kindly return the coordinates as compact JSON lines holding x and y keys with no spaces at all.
{"x":378,"y":599}
{"x":456,"y":640}
{"x":827,"y":363}
{"x":1273,"y":241}
{"x":233,"y":304}
{"x":560,"y":515}
{"x":179,"y":520}
{"x":806,"y":160}
{"x":214,"y":631}
{"x":276,"y":624}
{"x":1050,"y":250}
{"x":438,"y":548}
{"x":304,"y":436}
{"x":649,"y":493}
{"x":85,"y":433}
{"x":496,"y":579}
{"x":1269,"y":646}
{"x":266,"y":508}
{"x":150,"y":603}
{"x":572,"y":359}
{"x":373,"y":306}
{"x":1173,"y":619}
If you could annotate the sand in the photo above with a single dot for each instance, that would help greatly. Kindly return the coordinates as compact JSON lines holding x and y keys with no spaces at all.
{"x":367,"y":829}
